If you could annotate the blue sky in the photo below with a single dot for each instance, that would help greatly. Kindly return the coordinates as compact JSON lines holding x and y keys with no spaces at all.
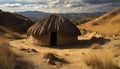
{"x":59,"y":6}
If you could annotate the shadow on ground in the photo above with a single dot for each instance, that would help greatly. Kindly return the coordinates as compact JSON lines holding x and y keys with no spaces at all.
{"x":20,"y":64}
{"x":85,"y":43}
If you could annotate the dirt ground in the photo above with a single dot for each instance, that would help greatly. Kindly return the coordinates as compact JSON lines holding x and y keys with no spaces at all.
{"x":34,"y":55}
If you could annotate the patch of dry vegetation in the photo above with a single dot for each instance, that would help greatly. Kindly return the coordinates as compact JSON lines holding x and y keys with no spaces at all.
{"x":6,"y":32}
{"x":100,"y":59}
{"x":14,"y":35}
{"x":7,"y":58}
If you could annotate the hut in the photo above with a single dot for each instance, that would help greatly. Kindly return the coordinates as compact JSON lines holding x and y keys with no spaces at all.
{"x":53,"y":30}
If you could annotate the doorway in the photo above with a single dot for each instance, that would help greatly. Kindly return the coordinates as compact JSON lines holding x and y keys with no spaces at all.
{"x":53,"y":39}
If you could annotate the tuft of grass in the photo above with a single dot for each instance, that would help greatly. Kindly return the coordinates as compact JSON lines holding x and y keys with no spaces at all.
{"x":100,"y":59}
{"x":7,"y":58}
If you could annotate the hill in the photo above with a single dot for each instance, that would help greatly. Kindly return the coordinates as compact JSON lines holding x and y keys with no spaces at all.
{"x":107,"y":24}
{"x":34,"y":15}
{"x":13,"y":26}
{"x":13,"y":22}
{"x":83,"y":20}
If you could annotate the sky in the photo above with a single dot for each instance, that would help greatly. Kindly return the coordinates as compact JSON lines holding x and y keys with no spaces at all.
{"x":59,"y":6}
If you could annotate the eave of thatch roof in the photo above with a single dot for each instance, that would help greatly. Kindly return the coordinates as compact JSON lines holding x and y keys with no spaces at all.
{"x":54,"y":23}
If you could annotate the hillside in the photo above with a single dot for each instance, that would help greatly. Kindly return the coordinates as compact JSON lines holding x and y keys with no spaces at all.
{"x":83,"y":20}
{"x":108,"y":24}
{"x":13,"y":22}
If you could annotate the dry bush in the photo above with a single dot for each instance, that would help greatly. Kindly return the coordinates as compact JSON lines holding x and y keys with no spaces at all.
{"x":7,"y":58}
{"x":100,"y":59}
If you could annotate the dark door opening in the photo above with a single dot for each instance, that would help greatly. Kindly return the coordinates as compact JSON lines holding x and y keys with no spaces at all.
{"x":53,"y":39}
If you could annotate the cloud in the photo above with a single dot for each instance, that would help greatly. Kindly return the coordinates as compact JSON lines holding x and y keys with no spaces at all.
{"x":91,"y":5}
{"x":55,"y":3}
{"x":100,"y":1}
{"x":75,"y":3}
{"x":11,"y":5}
{"x":23,"y":0}
{"x":28,"y":0}
{"x":36,"y":6}
{"x":76,"y":6}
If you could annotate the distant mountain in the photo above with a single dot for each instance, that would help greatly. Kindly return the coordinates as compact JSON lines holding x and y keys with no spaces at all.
{"x":11,"y":22}
{"x":76,"y":16}
{"x":108,"y":24}
{"x":34,"y":15}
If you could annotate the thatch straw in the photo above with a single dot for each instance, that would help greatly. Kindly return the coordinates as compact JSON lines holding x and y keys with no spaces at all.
{"x":54,"y":23}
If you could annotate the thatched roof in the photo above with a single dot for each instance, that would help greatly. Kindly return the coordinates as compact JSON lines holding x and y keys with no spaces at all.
{"x":54,"y":23}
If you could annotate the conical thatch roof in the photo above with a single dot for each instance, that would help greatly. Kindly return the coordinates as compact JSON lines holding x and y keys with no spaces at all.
{"x":54,"y":23}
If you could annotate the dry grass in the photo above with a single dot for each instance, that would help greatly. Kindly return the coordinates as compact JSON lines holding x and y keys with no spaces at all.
{"x":14,"y":35}
{"x":100,"y":59}
{"x":110,"y":21}
{"x":7,"y":58}
{"x":6,"y":32}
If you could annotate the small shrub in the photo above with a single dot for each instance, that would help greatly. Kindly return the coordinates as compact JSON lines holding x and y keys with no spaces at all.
{"x":95,"y":24}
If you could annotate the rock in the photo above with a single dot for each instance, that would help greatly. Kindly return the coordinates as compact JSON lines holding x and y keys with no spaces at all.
{"x":28,"y":50}
{"x":54,"y":59}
